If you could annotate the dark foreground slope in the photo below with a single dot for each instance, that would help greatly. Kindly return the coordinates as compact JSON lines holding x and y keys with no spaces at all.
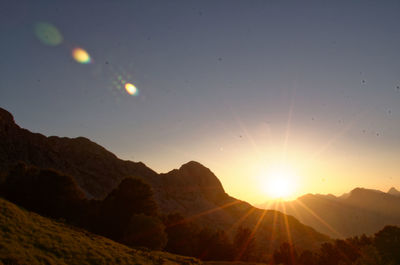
{"x":192,"y":190}
{"x":27,"y":238}
{"x":358,"y":212}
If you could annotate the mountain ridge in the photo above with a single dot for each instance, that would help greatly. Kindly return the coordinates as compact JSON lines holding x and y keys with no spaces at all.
{"x":393,"y":191}
{"x":360,"y":211}
{"x":192,"y":190}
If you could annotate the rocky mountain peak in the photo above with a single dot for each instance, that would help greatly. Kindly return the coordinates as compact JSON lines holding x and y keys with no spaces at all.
{"x":393,"y":191}
{"x":201,"y":175}
{"x":6,"y":119}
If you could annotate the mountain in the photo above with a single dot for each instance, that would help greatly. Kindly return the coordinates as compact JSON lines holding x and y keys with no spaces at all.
{"x":28,"y":238}
{"x":96,"y":170}
{"x":360,"y":211}
{"x":393,"y":191}
{"x":192,"y":190}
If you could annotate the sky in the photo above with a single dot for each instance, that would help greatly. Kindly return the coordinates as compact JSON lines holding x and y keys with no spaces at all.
{"x":307,"y":91}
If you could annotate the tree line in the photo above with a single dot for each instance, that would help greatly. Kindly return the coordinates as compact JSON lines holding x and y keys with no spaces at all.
{"x":130,"y":215}
{"x":383,"y":248}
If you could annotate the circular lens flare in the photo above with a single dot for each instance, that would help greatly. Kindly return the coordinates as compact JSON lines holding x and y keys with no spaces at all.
{"x":81,"y":56}
{"x":131,"y":89}
{"x":48,"y":34}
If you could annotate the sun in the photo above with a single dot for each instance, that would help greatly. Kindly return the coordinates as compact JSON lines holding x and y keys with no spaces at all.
{"x":279,"y":183}
{"x":279,"y":187}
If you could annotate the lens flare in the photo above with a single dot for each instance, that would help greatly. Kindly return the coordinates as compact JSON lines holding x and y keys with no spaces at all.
{"x":48,"y":34}
{"x":81,"y":56}
{"x":131,"y":89}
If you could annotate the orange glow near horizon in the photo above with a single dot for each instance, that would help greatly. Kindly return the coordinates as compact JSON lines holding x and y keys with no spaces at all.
{"x":313,"y":165}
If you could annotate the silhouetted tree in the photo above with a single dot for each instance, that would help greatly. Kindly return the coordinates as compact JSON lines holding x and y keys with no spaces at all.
{"x":328,"y":254}
{"x":121,"y":215}
{"x":370,"y":256}
{"x":244,"y":244}
{"x":307,"y":258}
{"x":348,"y":252}
{"x":387,"y":242}
{"x":182,"y":235}
{"x":286,"y":254}
{"x":132,"y":196}
{"x":145,"y":231}
{"x":44,"y":191}
{"x":214,"y":245}
{"x":382,"y":249}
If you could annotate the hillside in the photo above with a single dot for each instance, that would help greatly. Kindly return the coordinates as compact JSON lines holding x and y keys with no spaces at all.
{"x":359,"y":211}
{"x":192,"y":190}
{"x":96,"y":170}
{"x":27,"y":238}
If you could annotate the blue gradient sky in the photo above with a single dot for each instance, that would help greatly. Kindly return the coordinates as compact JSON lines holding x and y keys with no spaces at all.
{"x":239,"y":86}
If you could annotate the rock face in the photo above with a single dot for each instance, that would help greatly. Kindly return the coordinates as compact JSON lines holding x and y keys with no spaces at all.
{"x":360,"y":211}
{"x":192,"y":190}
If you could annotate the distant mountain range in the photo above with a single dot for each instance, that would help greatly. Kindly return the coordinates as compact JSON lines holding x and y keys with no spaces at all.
{"x":192,"y":190}
{"x":354,"y":213}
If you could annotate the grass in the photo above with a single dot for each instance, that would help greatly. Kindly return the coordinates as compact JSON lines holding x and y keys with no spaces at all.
{"x":28,"y":238}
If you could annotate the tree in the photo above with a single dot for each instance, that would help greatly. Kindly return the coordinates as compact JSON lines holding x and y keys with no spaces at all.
{"x":145,"y":231}
{"x":348,"y":253}
{"x":328,"y":255}
{"x":286,"y":254}
{"x":244,"y":244}
{"x":369,"y":256}
{"x":387,"y":242}
{"x":129,"y":214}
{"x":44,"y":191}
{"x":181,"y":234}
{"x":307,"y":258}
{"x":214,"y":245}
{"x":131,"y":197}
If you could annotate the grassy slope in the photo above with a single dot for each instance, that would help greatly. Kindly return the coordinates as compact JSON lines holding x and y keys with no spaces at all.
{"x":28,"y":238}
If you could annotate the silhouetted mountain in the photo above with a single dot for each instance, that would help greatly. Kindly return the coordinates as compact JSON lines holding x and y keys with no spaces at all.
{"x":96,"y":170}
{"x":393,"y":191}
{"x":360,"y":211}
{"x":192,"y":190}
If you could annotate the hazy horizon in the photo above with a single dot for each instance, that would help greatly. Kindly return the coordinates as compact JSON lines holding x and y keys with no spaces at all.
{"x":307,"y":92}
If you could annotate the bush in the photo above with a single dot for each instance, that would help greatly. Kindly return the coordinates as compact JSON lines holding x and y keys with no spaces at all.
{"x":127,"y":213}
{"x":181,"y":235}
{"x":44,"y":191}
{"x":145,"y":231}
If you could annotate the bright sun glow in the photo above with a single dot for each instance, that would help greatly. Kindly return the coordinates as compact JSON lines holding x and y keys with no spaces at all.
{"x":279,"y":183}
